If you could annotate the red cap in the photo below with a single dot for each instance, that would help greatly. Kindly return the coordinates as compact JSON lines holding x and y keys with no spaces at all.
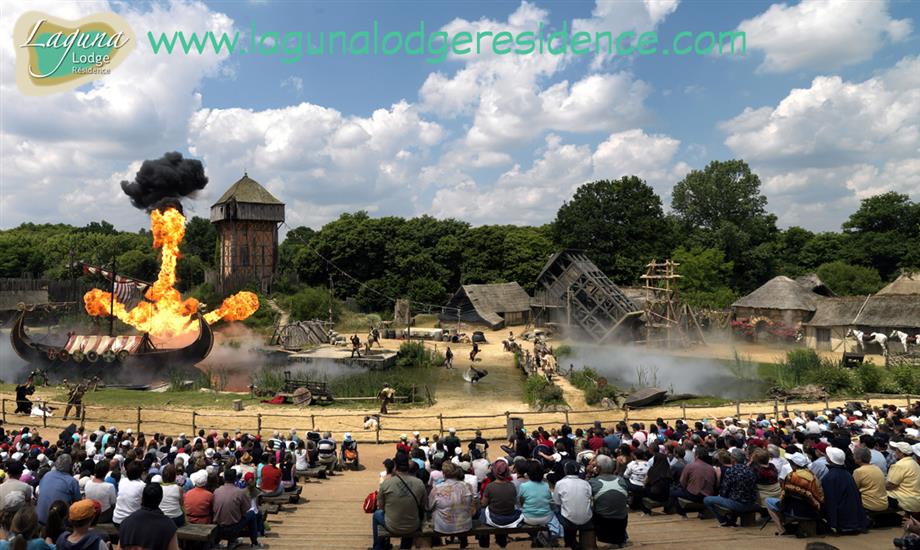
{"x":248,"y":476}
{"x":821,"y":446}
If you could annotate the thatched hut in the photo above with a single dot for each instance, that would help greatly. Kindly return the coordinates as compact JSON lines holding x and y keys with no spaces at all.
{"x":780,"y":300}
{"x":876,"y":313}
{"x":906,"y":283}
{"x":495,"y":305}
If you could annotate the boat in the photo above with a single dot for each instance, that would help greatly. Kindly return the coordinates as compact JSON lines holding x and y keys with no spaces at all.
{"x":84,"y":350}
{"x":645,"y":397}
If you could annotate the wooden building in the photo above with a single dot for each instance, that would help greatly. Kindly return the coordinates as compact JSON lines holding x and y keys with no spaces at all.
{"x":494,"y":305}
{"x":781,"y":300}
{"x":247,"y":218}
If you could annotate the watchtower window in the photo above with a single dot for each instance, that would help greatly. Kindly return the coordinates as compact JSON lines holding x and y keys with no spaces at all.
{"x":244,"y":255}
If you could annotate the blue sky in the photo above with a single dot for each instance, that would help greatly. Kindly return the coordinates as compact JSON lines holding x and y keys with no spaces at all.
{"x":825,"y":106}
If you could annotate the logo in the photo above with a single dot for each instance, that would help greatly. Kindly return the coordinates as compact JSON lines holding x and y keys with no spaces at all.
{"x":54,"y":54}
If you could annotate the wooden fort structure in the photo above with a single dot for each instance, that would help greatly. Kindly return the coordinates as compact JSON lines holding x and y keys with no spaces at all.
{"x":574,"y":293}
{"x":247,"y":218}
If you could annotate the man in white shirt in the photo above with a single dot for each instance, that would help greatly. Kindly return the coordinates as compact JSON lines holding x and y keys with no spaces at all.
{"x":573,"y":496}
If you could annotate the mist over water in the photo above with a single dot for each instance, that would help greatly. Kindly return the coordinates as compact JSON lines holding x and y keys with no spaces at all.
{"x":625,"y":365}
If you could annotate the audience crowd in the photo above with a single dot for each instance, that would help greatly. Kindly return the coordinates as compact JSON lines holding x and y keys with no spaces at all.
{"x":57,"y":489}
{"x":840,"y":471}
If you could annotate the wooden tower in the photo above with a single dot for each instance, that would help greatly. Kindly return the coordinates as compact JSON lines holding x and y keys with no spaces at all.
{"x":668,"y":323}
{"x":247,"y":218}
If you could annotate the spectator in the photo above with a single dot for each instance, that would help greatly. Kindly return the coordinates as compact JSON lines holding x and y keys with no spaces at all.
{"x":657,"y":482}
{"x":573,"y":496}
{"x":271,"y":479}
{"x":58,"y":484}
{"x":350,"y":451}
{"x":697,"y":481}
{"x":12,"y":483}
{"x":451,"y":504}
{"x":100,"y":491}
{"x":171,"y":505}
{"x":147,"y":527}
{"x":499,"y":503}
{"x":80,"y":536}
{"x":767,"y":476}
{"x":843,"y":507}
{"x":903,"y":479}
{"x":327,"y":452}
{"x":400,"y":503}
{"x":870,"y":481}
{"x":738,"y":491}
{"x":199,"y":501}
{"x":302,"y":458}
{"x":635,"y":474}
{"x":57,"y":516}
{"x":26,"y":531}
{"x":451,"y":442}
{"x":801,"y":496}
{"x":611,"y":503}
{"x":130,"y":493}
{"x":232,"y":510}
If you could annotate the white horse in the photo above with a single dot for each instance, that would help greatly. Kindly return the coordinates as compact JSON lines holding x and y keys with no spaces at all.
{"x":905,"y":338}
{"x":862,"y":339}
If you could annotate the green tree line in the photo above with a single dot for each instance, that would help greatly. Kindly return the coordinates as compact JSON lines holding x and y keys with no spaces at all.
{"x":718,"y":228}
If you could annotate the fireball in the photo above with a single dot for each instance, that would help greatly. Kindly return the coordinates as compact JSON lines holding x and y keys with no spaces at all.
{"x":163,"y":313}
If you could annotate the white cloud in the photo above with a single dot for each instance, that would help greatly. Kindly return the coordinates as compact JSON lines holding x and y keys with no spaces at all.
{"x":295,"y":83}
{"x":835,"y":142}
{"x":822,"y":34}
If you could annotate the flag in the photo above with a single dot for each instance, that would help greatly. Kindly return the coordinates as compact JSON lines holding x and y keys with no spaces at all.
{"x":126,"y":288}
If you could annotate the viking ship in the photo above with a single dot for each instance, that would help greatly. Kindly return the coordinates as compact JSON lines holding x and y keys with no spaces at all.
{"x":84,"y":350}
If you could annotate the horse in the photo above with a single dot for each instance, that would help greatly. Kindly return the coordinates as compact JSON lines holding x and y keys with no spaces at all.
{"x":905,"y":338}
{"x":873,"y":337}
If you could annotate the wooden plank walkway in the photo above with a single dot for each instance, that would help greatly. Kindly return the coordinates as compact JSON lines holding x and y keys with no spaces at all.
{"x":333,"y":518}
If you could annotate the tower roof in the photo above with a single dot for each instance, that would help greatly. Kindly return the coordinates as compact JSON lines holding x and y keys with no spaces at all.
{"x":247,"y":190}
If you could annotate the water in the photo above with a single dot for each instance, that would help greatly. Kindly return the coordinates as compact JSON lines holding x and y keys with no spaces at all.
{"x":630,"y":366}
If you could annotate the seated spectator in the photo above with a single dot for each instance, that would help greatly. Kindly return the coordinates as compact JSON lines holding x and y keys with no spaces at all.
{"x":903,"y":484}
{"x":610,"y":502}
{"x":25,"y":531}
{"x":57,"y":517}
{"x":171,"y":505}
{"x":232,"y":510}
{"x":130,"y":492}
{"x":536,"y":500}
{"x":199,"y":501}
{"x":657,"y":482}
{"x":350,"y":451}
{"x":100,"y":491}
{"x":400,"y":503}
{"x":767,"y":476}
{"x":271,"y":479}
{"x":148,"y":527}
{"x":327,"y":455}
{"x":57,"y":484}
{"x":818,"y":464}
{"x":870,"y":481}
{"x":499,"y":503}
{"x":635,"y":474}
{"x":574,"y":497}
{"x":737,"y":493}
{"x":301,"y":458}
{"x":80,"y":536}
{"x":843,"y":507}
{"x":697,"y":481}
{"x":451,"y":504}
{"x":801,"y":496}
{"x":12,"y":483}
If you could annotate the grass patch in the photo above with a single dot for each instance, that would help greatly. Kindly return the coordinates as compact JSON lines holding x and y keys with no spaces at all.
{"x":131,"y":399}
{"x":416,"y":355}
{"x":351,"y":322}
{"x":586,"y":380}
{"x":540,"y":393}
{"x":703,"y":401}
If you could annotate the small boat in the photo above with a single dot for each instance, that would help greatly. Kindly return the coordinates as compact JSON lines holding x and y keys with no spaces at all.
{"x":645,"y":397}
{"x":83,"y":350}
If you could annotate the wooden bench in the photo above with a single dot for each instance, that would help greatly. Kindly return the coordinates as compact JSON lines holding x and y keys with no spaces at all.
{"x":190,"y":532}
{"x":746,"y":519}
{"x":319,"y":472}
{"x":691,"y":506}
{"x":267,"y":509}
{"x":650,"y":505}
{"x":423,"y":538}
{"x":284,"y":498}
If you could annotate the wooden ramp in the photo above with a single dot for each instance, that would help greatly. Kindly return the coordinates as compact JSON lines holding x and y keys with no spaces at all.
{"x":333,"y":518}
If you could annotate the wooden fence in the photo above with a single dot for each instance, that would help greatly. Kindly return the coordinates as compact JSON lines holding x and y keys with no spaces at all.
{"x":162,"y":420}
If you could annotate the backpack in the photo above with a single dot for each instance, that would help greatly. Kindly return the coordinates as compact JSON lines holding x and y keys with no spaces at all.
{"x":370,"y":503}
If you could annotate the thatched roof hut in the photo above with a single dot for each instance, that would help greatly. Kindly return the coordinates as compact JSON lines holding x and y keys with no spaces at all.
{"x":779,"y":293}
{"x":813,"y":283}
{"x":837,"y":311}
{"x":890,"y":311}
{"x":906,"y":283}
{"x":495,"y":305}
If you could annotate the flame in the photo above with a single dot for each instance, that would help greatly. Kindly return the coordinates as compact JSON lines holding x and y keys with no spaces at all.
{"x":164,"y":313}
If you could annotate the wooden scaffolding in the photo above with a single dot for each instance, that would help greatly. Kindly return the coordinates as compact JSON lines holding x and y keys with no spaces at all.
{"x":668,"y":323}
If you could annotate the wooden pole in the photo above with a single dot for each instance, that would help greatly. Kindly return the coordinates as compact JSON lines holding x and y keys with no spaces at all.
{"x":412,"y":395}
{"x":83,"y":416}
{"x":775,"y":408}
{"x":626,"y":412}
{"x":566,"y":416}
{"x":138,"y":420}
{"x":827,"y":403}
{"x":259,"y":424}
{"x":441,"y":422}
{"x":786,"y":406}
{"x":683,"y":411}
{"x":738,"y":408}
{"x":194,"y":424}
{"x":377,"y":435}
{"x":313,"y":422}
{"x":4,"y":410}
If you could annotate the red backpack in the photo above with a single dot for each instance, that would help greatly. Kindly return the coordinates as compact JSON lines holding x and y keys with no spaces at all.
{"x":370,"y":503}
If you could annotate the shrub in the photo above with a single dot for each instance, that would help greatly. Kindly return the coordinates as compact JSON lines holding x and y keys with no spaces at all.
{"x":872,"y":378}
{"x":311,"y":303}
{"x":906,"y":379}
{"x":563,"y":350}
{"x":416,"y":355}
{"x":540,"y":392}
{"x":798,"y":362}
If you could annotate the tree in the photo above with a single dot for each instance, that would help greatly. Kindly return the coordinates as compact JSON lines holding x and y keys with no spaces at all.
{"x":620,"y":224}
{"x":312,"y":303}
{"x":721,"y":207}
{"x":705,"y":277}
{"x":849,"y":280}
{"x":201,"y":240}
{"x":882,"y":232}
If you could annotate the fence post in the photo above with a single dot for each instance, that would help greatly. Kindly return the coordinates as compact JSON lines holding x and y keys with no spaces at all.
{"x":83,"y":417}
{"x":379,"y":418}
{"x":4,"y":410}
{"x":908,"y":400}
{"x":138,"y":420}
{"x":259,"y":424}
{"x":827,"y":403}
{"x":775,"y":408}
{"x":441,"y":422}
{"x":738,"y":409}
{"x":626,"y":412}
{"x":412,"y":395}
{"x":312,"y":422}
{"x":194,"y":424}
{"x":566,"y":411}
{"x":44,"y":414}
{"x":683,"y":411}
{"x":786,"y":406}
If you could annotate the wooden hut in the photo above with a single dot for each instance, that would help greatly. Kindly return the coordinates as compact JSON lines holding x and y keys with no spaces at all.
{"x":875,"y":313}
{"x":493,"y":305}
{"x":780,"y":300}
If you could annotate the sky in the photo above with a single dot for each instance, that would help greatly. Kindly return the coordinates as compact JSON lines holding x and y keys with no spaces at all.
{"x":824,"y":106}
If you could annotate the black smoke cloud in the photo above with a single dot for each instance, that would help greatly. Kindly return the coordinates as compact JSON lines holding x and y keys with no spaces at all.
{"x":164,"y":181}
